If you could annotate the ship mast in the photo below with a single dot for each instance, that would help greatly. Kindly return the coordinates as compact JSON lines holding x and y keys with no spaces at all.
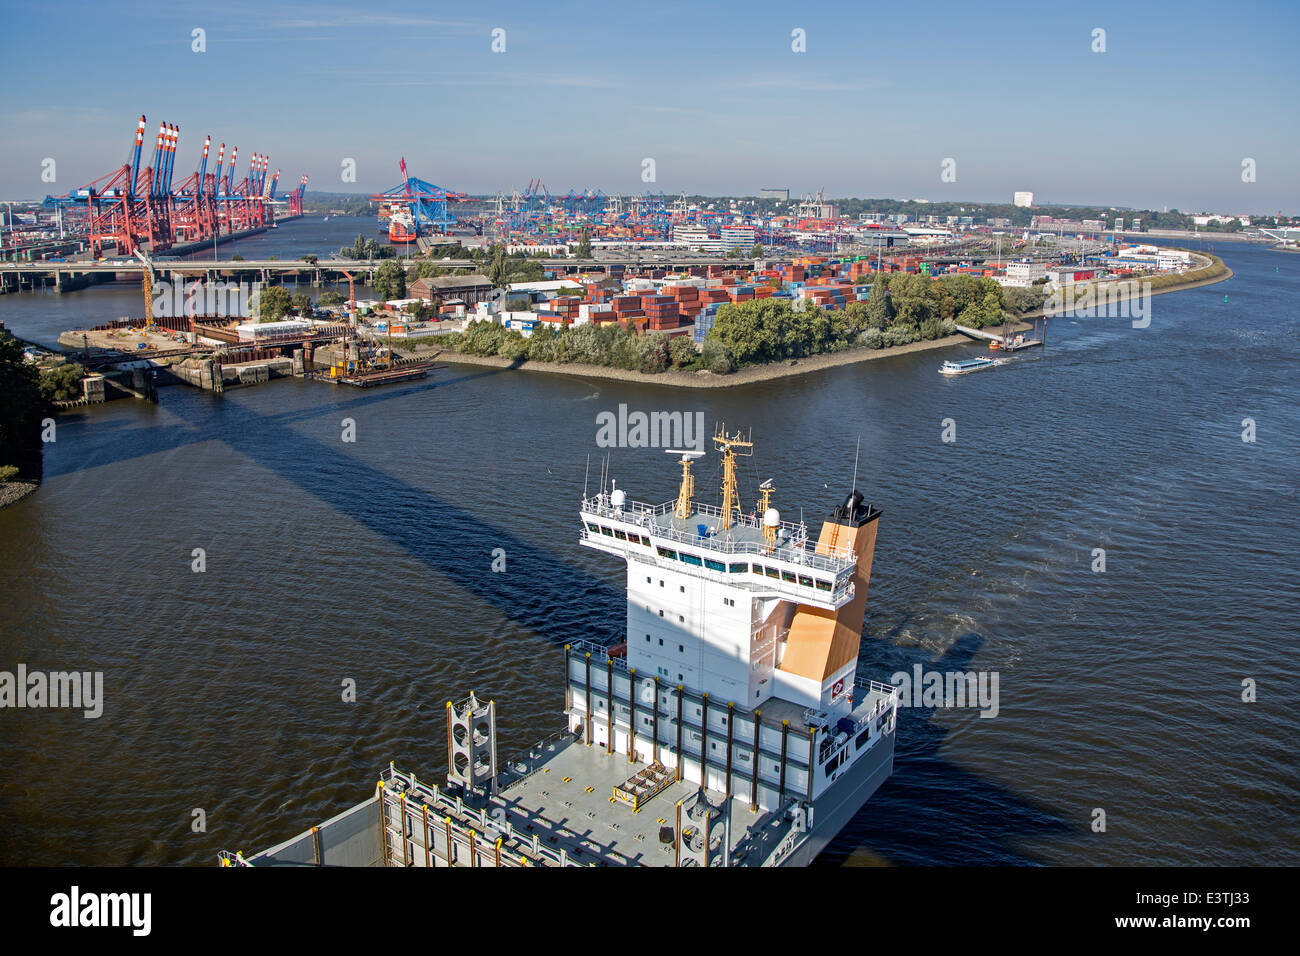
{"x":764,"y":503}
{"x":687,"y":490}
{"x":728,"y":445}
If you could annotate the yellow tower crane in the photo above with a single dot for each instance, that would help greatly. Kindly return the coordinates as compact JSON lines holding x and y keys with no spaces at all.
{"x":146,"y":283}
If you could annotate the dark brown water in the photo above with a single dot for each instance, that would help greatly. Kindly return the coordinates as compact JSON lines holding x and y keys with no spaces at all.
{"x":371,"y":561}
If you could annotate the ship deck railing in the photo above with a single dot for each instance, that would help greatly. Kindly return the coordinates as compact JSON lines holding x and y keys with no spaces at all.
{"x":521,"y":849}
{"x":886,"y":697}
{"x":796,"y":550}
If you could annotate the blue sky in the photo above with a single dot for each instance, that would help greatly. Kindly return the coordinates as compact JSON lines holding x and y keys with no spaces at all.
{"x":713,"y":93}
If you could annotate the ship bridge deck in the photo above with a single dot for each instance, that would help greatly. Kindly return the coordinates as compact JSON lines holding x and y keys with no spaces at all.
{"x":704,"y":529}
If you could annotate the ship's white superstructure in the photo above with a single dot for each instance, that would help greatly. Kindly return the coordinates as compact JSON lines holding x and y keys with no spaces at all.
{"x":725,"y":727}
{"x":741,"y":610}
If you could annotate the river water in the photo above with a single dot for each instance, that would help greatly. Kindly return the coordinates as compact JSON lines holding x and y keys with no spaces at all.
{"x":371,"y":561}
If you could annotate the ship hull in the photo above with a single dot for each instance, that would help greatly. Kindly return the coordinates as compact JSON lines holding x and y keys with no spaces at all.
{"x":840,"y":804}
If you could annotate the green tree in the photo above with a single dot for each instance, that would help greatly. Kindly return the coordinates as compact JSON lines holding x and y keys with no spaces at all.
{"x":301,"y":303}
{"x":497,"y":271}
{"x":273,"y":302}
{"x":427,"y":270}
{"x":880,"y":309}
{"x":583,"y":250}
{"x":390,"y":280}
{"x":681,"y":351}
{"x":63,"y":382}
{"x":331,"y":298}
{"x":757,"y":251}
{"x":716,"y":357}
{"x":22,"y":407}
{"x":1022,"y":301}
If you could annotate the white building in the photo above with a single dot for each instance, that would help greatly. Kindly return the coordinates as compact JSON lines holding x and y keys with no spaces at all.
{"x":260,"y":331}
{"x":1024,"y":199}
{"x":697,"y":237}
{"x":1021,"y":275}
{"x":738,"y":237}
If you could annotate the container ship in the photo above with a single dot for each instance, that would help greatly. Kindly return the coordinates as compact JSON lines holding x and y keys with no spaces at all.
{"x":728,"y":728}
{"x":401,"y":227}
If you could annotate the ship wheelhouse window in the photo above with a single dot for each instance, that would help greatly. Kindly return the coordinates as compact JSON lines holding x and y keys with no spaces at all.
{"x":667,"y":553}
{"x":788,"y":576}
{"x":862,"y":737}
{"x":821,"y":585}
{"x":692,"y":559}
{"x":738,"y":568}
{"x":805,"y":581}
{"x":621,"y":535}
{"x":593,"y":528}
{"x":606,"y":531}
{"x":714,"y":565}
{"x":772,"y":572}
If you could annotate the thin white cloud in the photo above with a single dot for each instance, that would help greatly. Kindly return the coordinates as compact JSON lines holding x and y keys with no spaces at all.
{"x":799,"y":83}
{"x":408,"y":78}
{"x":683,"y":111}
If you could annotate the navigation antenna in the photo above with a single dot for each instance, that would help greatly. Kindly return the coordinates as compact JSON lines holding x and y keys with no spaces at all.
{"x":729,"y":445}
{"x":854,"y":487}
{"x":687,"y":490}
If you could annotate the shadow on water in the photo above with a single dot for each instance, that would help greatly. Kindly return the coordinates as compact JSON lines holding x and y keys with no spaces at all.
{"x":889,"y":827}
{"x":967,"y":820}
{"x":379,"y":502}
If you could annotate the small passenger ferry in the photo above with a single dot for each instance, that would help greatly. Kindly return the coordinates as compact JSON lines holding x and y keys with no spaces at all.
{"x":967,"y":365}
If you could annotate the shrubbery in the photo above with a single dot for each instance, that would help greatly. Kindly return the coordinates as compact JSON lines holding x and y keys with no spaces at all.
{"x":22,"y":406}
{"x":614,"y":346}
{"x":63,"y":383}
{"x":901,"y":309}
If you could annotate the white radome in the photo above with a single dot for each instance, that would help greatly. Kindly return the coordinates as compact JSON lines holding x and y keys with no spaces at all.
{"x":771,"y":518}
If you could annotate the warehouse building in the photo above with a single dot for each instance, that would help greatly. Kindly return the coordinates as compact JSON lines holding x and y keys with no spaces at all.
{"x":468,"y":289}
